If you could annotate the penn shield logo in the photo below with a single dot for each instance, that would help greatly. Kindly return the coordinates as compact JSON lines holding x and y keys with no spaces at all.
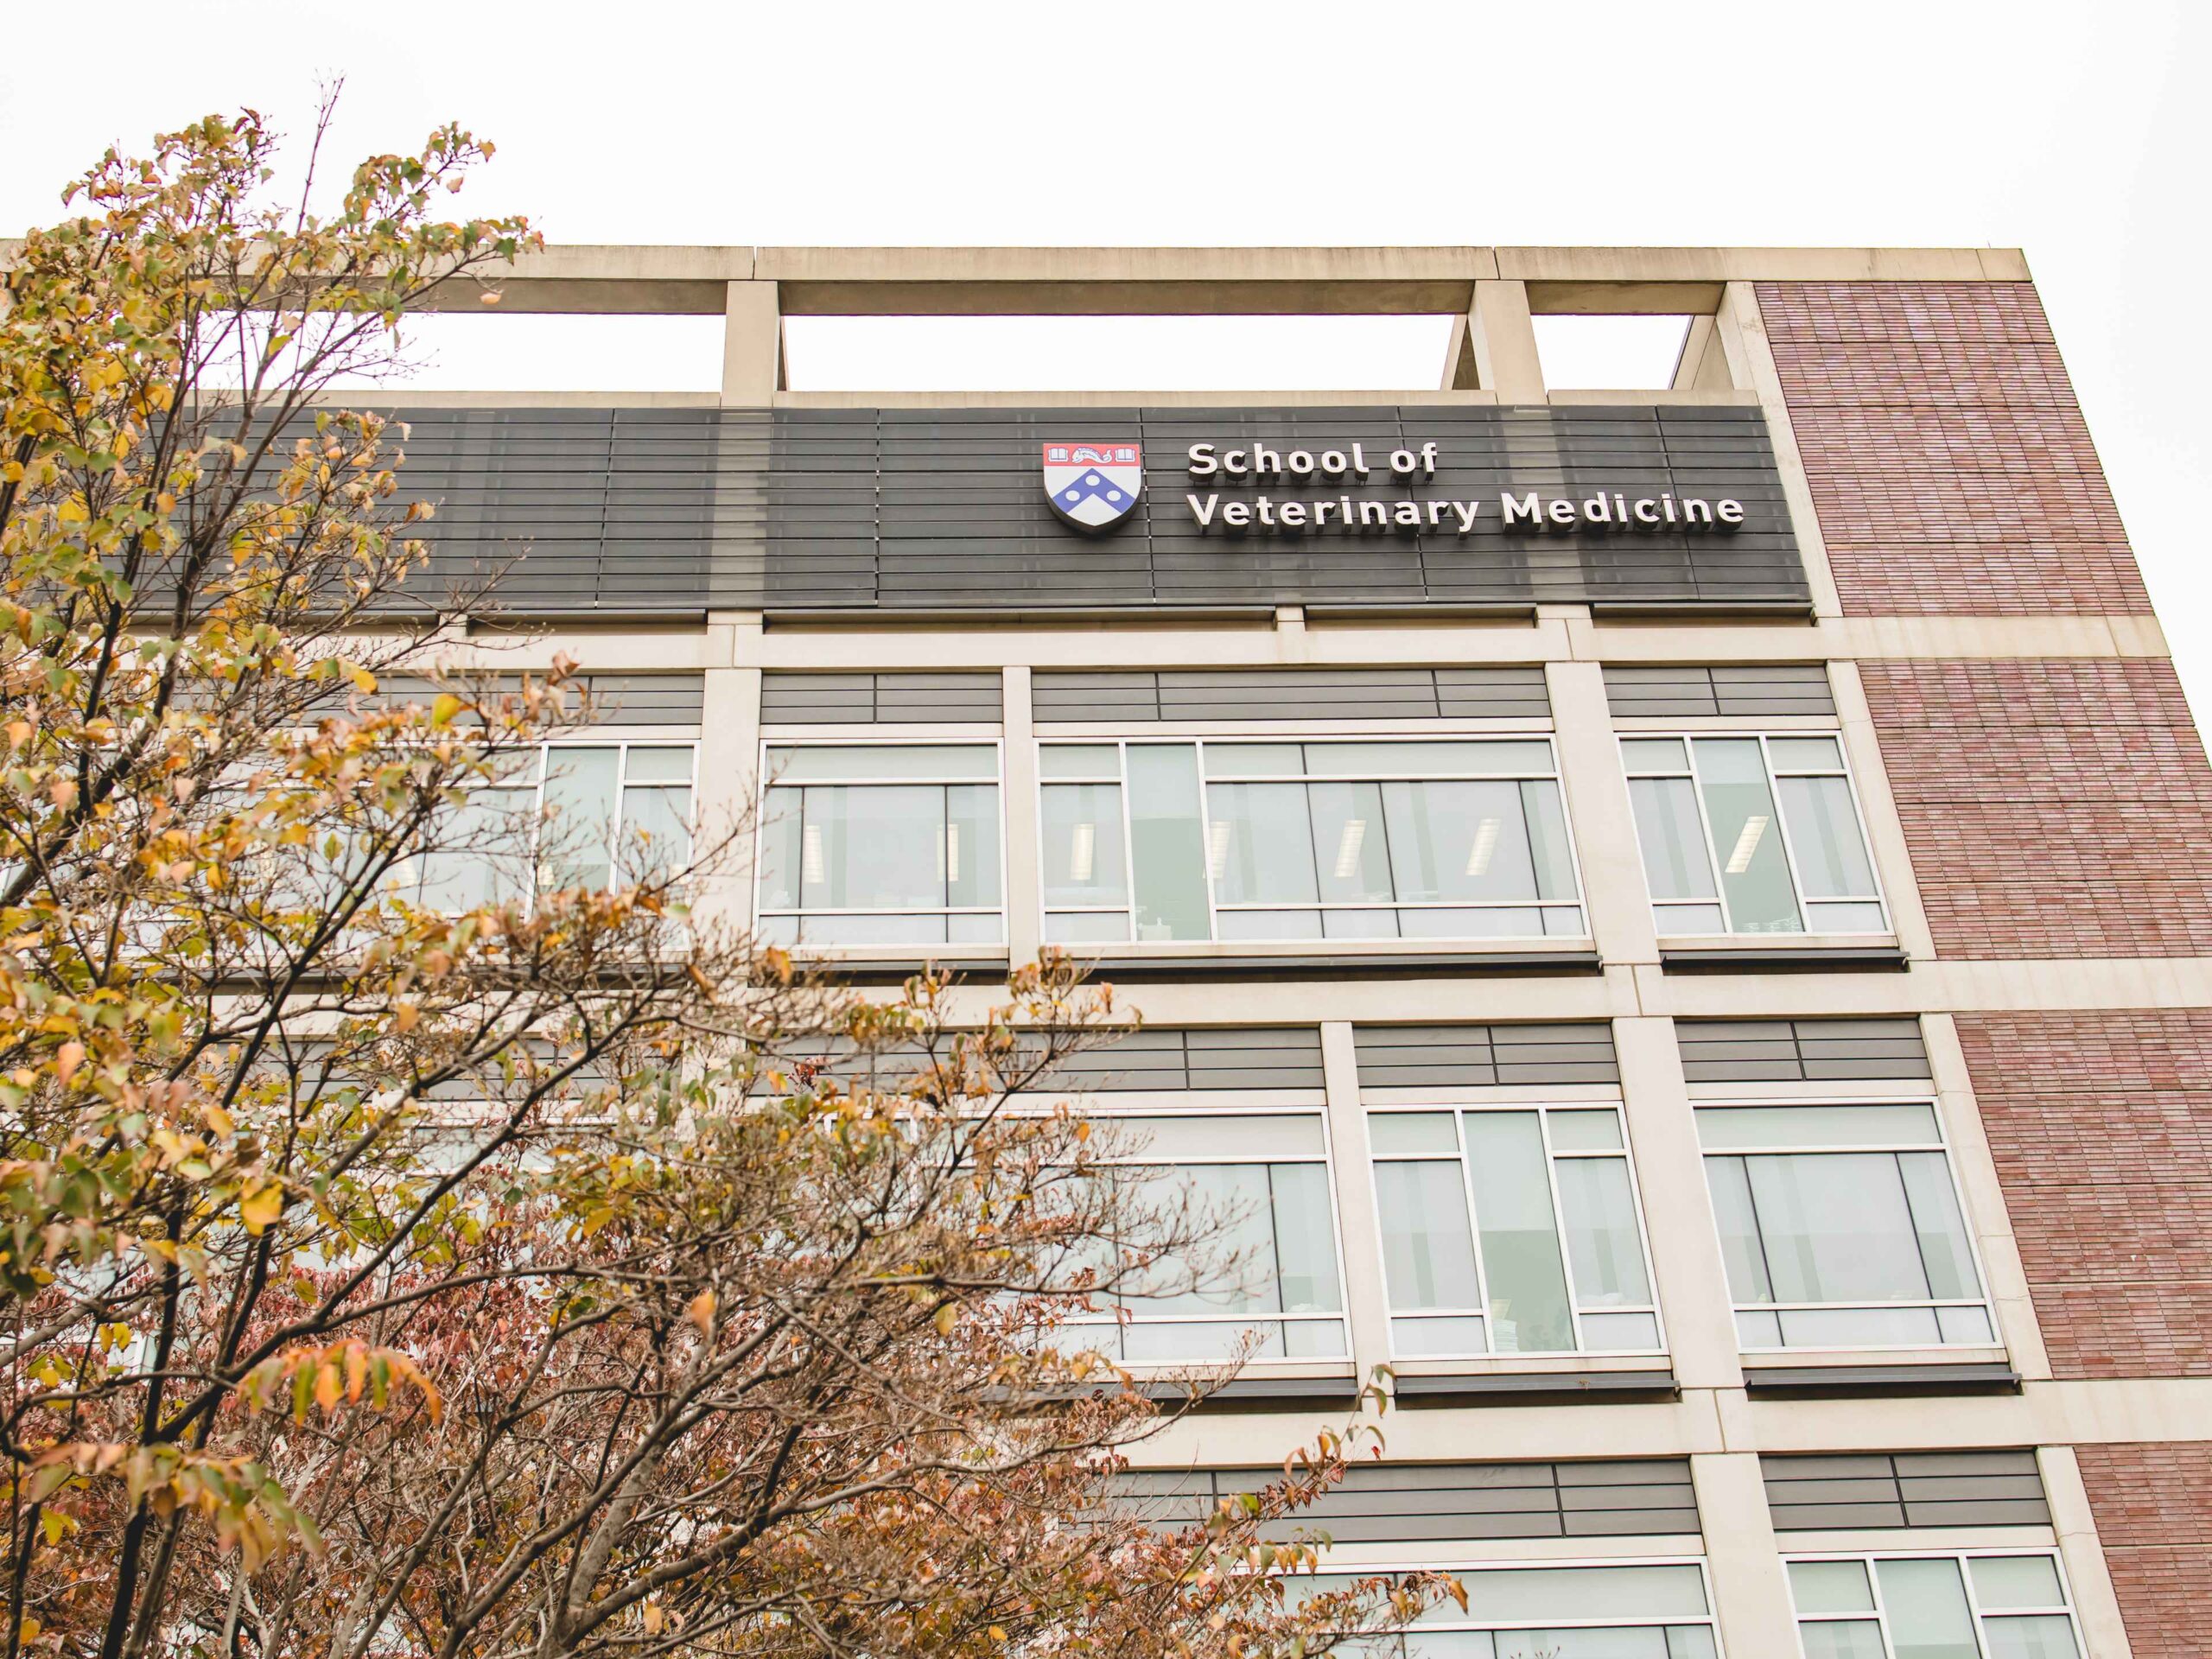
{"x":1093,"y":485}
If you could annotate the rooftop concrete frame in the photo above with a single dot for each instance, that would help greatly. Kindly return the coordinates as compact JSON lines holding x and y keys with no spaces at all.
{"x":1112,"y":281}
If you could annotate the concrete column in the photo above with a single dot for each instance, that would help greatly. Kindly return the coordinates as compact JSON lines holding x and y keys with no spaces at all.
{"x":1750,"y":364}
{"x":2011,"y":1301}
{"x":1884,"y":829}
{"x":1364,"y":1292}
{"x":1750,"y":1588}
{"x":752,"y":346}
{"x":1597,"y":811}
{"x":729,"y":764}
{"x":1670,"y":1178}
{"x":1025,"y":918}
{"x":1503,"y":343}
{"x":2095,"y":1602}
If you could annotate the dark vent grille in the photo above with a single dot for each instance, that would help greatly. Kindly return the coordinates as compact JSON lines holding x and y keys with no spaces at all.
{"x":1291,"y":693}
{"x":1749,"y":691}
{"x":1904,"y":1489}
{"x":1415,"y":1057}
{"x":1415,"y":1503}
{"x":880,"y":699}
{"x":1800,"y":1050}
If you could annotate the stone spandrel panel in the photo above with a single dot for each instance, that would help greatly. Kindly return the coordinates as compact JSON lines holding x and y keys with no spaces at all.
{"x":1950,"y":467}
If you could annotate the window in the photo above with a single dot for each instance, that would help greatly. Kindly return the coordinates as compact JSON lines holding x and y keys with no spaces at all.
{"x":1841,"y":1227}
{"x":1510,"y":1231}
{"x":1658,"y":1610}
{"x":1355,"y":839}
{"x":1751,"y":834}
{"x":1260,"y":1180}
{"x":1972,"y":1605}
{"x":570,"y":814}
{"x":881,"y":843}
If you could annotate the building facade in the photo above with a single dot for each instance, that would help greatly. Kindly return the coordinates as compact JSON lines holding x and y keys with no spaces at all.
{"x":1681,"y":917}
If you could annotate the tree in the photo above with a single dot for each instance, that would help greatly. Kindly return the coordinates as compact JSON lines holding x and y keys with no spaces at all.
{"x":412,"y":1242}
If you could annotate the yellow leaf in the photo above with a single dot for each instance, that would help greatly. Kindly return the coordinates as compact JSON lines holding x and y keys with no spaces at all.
{"x":443,"y":711}
{"x":31,"y":1627}
{"x":404,"y":1017}
{"x":654,"y":1618}
{"x":260,"y":1207}
{"x":703,"y":1312}
{"x":948,"y":1315}
{"x":329,"y":1385}
{"x":66,"y":1060}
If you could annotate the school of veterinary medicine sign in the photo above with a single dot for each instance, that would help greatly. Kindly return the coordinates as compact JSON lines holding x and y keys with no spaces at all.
{"x":1309,"y":474}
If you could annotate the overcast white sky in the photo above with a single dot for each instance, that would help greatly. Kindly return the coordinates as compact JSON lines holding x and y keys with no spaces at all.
{"x":2078,"y":132}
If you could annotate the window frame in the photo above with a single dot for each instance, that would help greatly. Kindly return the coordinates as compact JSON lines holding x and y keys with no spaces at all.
{"x":1985,"y":1302}
{"x":1370,"y":1109}
{"x":535,"y":789}
{"x":1442,"y":1560}
{"x":1197,"y":743}
{"x":904,"y":740}
{"x":1765,"y":737}
{"x":1258,"y":1103}
{"x":2050,"y":1552}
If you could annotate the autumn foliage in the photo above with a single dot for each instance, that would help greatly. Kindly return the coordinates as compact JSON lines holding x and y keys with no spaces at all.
{"x":555,"y":1274}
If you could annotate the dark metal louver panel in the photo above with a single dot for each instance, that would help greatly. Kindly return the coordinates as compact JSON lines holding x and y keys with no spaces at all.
{"x":613,"y":699}
{"x":1820,"y":1492}
{"x":1424,"y":1504}
{"x":1415,"y":1056}
{"x":1801,"y":1051}
{"x":673,"y":511}
{"x":1257,"y":694}
{"x":1256,"y":1057}
{"x":1746,"y":691}
{"x":880,"y":699}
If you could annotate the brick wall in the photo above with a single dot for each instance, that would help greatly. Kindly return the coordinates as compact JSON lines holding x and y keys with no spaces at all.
{"x":2153,"y":1505}
{"x":2053,"y":808}
{"x":2100,"y":1124}
{"x":1949,"y":463}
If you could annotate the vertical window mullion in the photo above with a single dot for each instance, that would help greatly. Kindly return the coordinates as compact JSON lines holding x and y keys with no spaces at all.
{"x":1129,"y":843}
{"x":1475,"y":1232}
{"x":1559,"y":1231}
{"x":1205,"y":840}
{"x":1705,"y":829}
{"x":1781,"y":824}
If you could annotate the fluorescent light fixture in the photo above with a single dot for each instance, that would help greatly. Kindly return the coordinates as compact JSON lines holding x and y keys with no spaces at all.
{"x":811,"y":856}
{"x":1347,"y":845}
{"x":1747,"y":843}
{"x":1218,"y":847}
{"x":1478,"y":855}
{"x":1083,"y":853}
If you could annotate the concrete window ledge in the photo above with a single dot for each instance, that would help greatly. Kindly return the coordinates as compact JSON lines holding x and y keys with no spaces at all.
{"x":1875,"y":1382}
{"x":1528,"y":1387}
{"x":1260,"y":1393}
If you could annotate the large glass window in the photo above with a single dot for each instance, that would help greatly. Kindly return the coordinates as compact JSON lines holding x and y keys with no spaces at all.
{"x":1751,"y":834}
{"x":1841,"y":1227}
{"x":1970,"y":1605}
{"x":1357,"y":839}
{"x":881,"y":843}
{"x":1257,"y":1184}
{"x":1510,"y":1231}
{"x":569,"y":815}
{"x":1658,"y":1610}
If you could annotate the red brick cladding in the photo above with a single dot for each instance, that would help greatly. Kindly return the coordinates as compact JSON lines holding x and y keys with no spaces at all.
{"x":1949,"y":464}
{"x":2100,"y":1124}
{"x":2153,"y":1505}
{"x":2052,"y":807}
